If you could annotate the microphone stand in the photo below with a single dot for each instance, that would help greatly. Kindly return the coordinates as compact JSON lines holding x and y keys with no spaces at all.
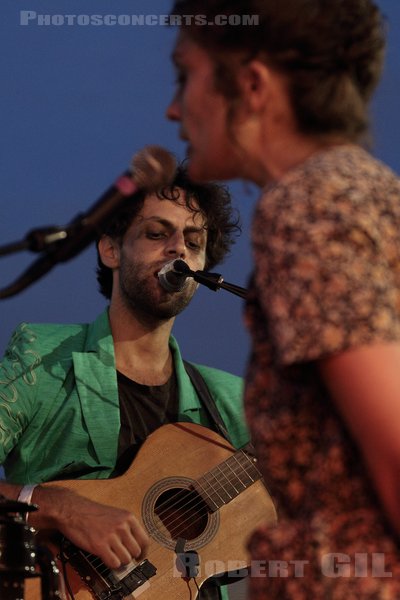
{"x":55,"y":244}
{"x":36,"y":240}
{"x":214,"y":281}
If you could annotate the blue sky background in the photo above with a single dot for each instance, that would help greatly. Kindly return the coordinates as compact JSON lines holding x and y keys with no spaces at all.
{"x":76,"y":103}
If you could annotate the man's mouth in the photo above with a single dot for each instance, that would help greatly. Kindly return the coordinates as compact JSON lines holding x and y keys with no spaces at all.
{"x":161,"y":266}
{"x":171,"y":280}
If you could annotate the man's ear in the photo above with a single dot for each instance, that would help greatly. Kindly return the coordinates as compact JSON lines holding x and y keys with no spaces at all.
{"x":109,"y":252}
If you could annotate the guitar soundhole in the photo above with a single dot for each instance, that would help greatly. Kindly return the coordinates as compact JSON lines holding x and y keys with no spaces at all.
{"x":182,"y":512}
{"x":171,"y":509}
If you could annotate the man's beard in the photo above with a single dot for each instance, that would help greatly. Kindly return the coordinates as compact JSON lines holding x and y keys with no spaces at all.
{"x":138,"y":290}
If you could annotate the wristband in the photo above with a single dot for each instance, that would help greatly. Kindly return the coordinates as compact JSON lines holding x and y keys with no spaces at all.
{"x":25,"y":496}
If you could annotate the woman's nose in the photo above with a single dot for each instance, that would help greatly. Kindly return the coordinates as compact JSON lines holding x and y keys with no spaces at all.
{"x":173,"y":112}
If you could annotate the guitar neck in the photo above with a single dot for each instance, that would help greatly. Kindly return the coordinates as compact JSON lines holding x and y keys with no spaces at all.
{"x":227,"y":480}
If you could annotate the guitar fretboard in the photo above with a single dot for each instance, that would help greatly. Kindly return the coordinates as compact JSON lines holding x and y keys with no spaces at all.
{"x":227,"y":480}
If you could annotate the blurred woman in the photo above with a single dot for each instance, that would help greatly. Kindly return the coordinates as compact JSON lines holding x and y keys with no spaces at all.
{"x":284,"y":104}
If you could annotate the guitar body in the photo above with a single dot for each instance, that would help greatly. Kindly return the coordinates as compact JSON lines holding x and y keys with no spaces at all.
{"x":170,"y":462}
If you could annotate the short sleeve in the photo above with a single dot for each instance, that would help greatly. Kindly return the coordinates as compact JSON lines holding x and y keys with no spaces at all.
{"x":323,"y":276}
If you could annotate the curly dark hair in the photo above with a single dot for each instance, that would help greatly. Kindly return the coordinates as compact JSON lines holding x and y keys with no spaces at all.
{"x":330,"y":50}
{"x":212,"y":200}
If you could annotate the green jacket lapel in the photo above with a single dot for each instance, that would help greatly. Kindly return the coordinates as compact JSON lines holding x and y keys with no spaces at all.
{"x":96,"y":383}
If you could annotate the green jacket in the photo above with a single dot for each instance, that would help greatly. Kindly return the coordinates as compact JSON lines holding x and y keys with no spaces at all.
{"x":59,"y":409}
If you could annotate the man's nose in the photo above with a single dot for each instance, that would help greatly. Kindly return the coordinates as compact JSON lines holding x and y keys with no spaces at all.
{"x":176,"y":245}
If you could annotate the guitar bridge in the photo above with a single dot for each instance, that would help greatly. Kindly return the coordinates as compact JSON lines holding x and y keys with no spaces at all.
{"x":105,"y":583}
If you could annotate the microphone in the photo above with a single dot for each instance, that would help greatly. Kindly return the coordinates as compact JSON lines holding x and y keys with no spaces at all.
{"x":172,"y":280}
{"x":151,"y":169}
{"x":175,"y":273}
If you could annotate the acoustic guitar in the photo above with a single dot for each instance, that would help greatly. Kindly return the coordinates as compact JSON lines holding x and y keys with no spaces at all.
{"x":198,"y":498}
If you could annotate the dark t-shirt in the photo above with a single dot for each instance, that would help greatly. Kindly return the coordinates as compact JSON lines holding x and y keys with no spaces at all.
{"x":144,"y":408}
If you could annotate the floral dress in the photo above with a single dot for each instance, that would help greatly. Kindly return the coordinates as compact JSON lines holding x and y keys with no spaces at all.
{"x":326,"y":242}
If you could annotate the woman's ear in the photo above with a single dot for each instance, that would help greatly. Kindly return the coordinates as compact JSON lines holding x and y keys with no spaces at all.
{"x":109,"y":252}
{"x":254,"y":79}
{"x":266,"y":96}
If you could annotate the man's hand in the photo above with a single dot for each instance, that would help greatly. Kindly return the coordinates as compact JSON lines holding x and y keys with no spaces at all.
{"x":112,"y":534}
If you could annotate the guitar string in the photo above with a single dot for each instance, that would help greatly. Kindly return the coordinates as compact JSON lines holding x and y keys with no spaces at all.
{"x":215,"y":490}
{"x":168,"y":505}
{"x":184,"y":516}
{"x":173,"y":526}
{"x":238,"y":475}
{"x":96,"y":562}
{"x":231,"y":481}
{"x":176,"y":523}
{"x":194,"y":495}
{"x":103,"y":570}
{"x":209,"y":484}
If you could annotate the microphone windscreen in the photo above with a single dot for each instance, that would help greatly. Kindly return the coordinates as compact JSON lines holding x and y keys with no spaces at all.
{"x":179,"y":266}
{"x":172,"y":280}
{"x":153,"y":168}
